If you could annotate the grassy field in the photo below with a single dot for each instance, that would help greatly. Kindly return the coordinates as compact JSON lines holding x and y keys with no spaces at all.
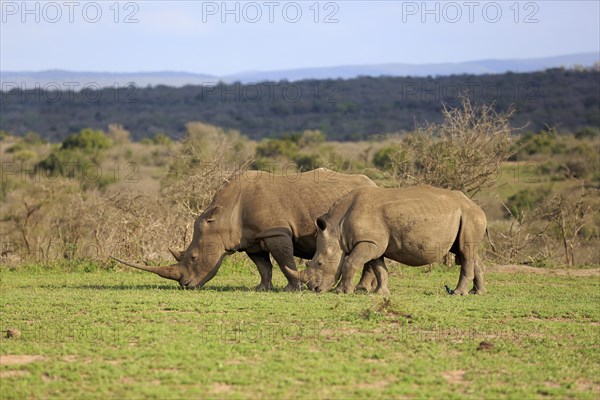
{"x":121,"y":334}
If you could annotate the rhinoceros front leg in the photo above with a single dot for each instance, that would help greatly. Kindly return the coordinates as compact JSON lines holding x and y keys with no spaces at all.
{"x":361,"y":254}
{"x":265,"y":268}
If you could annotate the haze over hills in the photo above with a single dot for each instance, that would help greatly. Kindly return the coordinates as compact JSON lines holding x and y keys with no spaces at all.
{"x":55,"y":79}
{"x":421,"y":70}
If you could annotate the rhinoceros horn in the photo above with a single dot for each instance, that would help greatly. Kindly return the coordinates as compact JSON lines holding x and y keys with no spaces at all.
{"x":176,"y":253}
{"x":298,"y":275}
{"x":168,"y":271}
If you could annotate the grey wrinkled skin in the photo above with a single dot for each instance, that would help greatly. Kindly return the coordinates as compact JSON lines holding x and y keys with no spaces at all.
{"x":415,"y":226}
{"x":263,"y":215}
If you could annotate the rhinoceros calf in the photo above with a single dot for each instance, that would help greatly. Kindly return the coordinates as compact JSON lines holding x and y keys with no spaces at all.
{"x":415,"y":226}
{"x":262,"y":214}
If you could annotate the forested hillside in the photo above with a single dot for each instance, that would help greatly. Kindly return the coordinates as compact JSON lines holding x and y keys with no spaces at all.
{"x":567,"y":100}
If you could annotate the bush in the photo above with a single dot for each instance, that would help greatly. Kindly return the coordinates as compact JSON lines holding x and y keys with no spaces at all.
{"x":544,"y":142}
{"x":464,"y":152}
{"x":310,"y":138}
{"x":88,"y":140}
{"x":307,"y":162}
{"x":117,"y":134}
{"x":162,"y":140}
{"x":578,"y":168}
{"x":33,"y":139}
{"x":383,"y":158}
{"x":277,"y":148}
{"x":4,"y":135}
{"x":526,"y":200}
{"x":325,"y":156}
{"x":587,"y":133}
{"x":78,"y":158}
{"x":207,"y":159}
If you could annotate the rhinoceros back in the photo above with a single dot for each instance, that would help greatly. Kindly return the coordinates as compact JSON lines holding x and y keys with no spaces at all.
{"x":291,"y":200}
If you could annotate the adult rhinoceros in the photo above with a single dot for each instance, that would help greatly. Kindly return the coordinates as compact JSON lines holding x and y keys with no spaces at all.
{"x":415,"y":226}
{"x":260,"y":213}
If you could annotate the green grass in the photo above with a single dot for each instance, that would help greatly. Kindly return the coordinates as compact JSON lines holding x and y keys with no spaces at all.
{"x":516,"y":176}
{"x":110,"y":334}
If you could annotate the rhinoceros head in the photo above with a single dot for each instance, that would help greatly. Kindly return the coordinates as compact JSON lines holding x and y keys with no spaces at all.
{"x":323,"y":271}
{"x":201,"y":260}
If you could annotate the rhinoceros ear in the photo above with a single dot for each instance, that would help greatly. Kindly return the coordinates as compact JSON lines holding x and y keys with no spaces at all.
{"x":213,"y":213}
{"x":321,"y":224}
{"x":176,"y":253}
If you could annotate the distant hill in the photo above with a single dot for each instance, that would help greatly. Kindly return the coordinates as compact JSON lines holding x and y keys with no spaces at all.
{"x":65,"y":79}
{"x":343,"y":109}
{"x":421,"y":70}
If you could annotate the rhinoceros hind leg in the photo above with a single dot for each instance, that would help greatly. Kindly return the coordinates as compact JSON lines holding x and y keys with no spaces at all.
{"x":471,"y":271}
{"x":282,"y":249}
{"x":381,"y":273}
{"x":265,"y":268}
{"x":368,"y":280}
{"x":467,"y":268}
{"x":478,"y":283}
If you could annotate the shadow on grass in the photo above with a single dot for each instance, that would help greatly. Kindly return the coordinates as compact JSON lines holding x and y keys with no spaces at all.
{"x":225,"y":288}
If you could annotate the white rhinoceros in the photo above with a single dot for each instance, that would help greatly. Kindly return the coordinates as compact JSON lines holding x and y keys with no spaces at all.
{"x":261,"y":214}
{"x":415,"y":226}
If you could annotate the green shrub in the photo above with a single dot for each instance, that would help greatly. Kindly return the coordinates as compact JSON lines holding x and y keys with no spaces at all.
{"x":24,"y":155}
{"x":527,"y":199}
{"x":66,"y":163}
{"x":7,"y":184}
{"x":78,"y":158}
{"x":17,"y":147}
{"x":539,"y":143}
{"x":310,"y":138}
{"x":587,"y":133}
{"x":88,"y":140}
{"x":277,"y":148}
{"x":33,"y":138}
{"x":307,"y":162}
{"x":28,"y":141}
{"x":383,"y":158}
{"x":162,"y":139}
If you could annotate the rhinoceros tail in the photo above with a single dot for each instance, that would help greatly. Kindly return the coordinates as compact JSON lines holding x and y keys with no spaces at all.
{"x":487,"y":233}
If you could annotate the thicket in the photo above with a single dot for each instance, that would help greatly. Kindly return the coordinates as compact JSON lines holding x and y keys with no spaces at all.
{"x":342,"y":109}
{"x":464,"y":152}
{"x":50,"y":213}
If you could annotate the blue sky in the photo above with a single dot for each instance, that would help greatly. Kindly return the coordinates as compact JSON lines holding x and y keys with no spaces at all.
{"x":270,"y":35}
